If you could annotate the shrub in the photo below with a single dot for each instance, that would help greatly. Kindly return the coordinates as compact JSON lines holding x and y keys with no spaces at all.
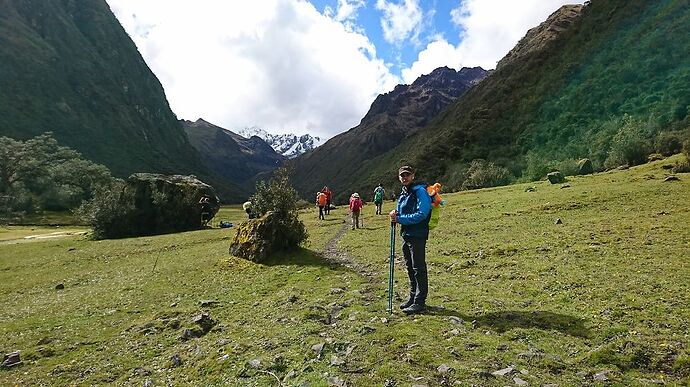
{"x":668,"y":143}
{"x":280,"y":197}
{"x":483,"y":174}
{"x":629,"y":145}
{"x":107,"y":211}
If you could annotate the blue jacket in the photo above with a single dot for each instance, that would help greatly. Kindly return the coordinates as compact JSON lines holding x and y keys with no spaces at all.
{"x":414,"y":212}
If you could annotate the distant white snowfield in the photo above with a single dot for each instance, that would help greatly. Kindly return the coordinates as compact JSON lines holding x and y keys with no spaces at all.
{"x":289,"y":145}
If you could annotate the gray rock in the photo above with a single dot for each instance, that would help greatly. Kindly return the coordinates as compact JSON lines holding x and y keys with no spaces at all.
{"x":59,"y":286}
{"x":582,"y":374}
{"x":148,"y":383}
{"x":318,"y":348}
{"x":602,"y":376}
{"x":443,"y":369}
{"x":672,"y":178}
{"x":335,"y":381}
{"x":530,"y":189}
{"x":175,"y":361}
{"x":455,"y":320}
{"x":502,"y":347}
{"x":208,"y":303}
{"x":336,"y":361}
{"x":503,"y":372}
{"x":584,"y":167}
{"x":520,"y":382}
{"x":204,"y":321}
{"x":11,"y":359}
{"x":292,"y":299}
{"x":566,"y":185}
{"x":255,"y":363}
{"x":558,"y":221}
{"x":555,"y":177}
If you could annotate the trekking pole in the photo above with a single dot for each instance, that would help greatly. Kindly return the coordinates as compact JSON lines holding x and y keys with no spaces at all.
{"x":391,"y":267}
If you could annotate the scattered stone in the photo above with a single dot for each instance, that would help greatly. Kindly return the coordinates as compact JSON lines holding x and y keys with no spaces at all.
{"x":11,"y":359}
{"x":530,"y":189}
{"x":44,"y":341}
{"x":292,"y":299}
{"x":337,"y":291}
{"x":502,"y":347}
{"x":654,"y":157}
{"x":205,"y":321}
{"x":208,"y":303}
{"x":148,"y":383}
{"x":584,"y":167}
{"x":667,"y":166}
{"x":623,"y":167}
{"x":59,"y":286}
{"x":390,"y":383}
{"x":336,"y":361}
{"x":255,"y":363}
{"x":520,"y":382}
{"x":528,"y":355}
{"x":455,"y":332}
{"x":602,"y":376}
{"x":558,"y":221}
{"x":443,"y":369}
{"x":318,"y":348}
{"x":455,"y":320}
{"x":555,"y":177}
{"x":175,"y":360}
{"x":582,"y":374}
{"x":549,"y":385}
{"x":672,"y":178}
{"x":503,"y":372}
{"x":335,"y":381}
{"x":565,"y":186}
{"x":71,"y":249}
{"x":174,"y":304}
{"x":191,"y":333}
{"x":524,"y":372}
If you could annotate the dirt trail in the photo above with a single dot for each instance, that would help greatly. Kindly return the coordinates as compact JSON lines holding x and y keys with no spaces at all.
{"x":340,"y":257}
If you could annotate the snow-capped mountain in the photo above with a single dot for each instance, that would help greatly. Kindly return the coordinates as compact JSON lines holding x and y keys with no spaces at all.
{"x":288,"y":145}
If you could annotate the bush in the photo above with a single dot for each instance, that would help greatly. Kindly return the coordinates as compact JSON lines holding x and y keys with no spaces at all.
{"x":279,"y":197}
{"x":483,"y":174}
{"x":107,"y":211}
{"x":669,"y":143}
{"x":629,"y":145}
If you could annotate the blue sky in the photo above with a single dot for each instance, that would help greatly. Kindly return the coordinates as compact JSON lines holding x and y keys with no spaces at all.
{"x":298,"y":66}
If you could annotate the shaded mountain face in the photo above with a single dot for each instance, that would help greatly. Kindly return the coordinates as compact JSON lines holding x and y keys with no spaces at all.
{"x":288,"y":145}
{"x":70,"y":68}
{"x":392,"y":118}
{"x":230,"y":155}
{"x":617,"y":74}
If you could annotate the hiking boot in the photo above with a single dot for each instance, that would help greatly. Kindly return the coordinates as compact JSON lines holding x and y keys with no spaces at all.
{"x":407,"y":304}
{"x":414,"y":308}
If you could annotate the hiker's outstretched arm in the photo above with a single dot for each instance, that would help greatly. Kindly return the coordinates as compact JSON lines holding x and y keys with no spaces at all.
{"x":423,"y":210}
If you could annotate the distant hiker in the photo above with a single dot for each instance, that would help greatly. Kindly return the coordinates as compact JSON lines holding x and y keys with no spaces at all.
{"x":247,"y":206}
{"x":321,"y":202}
{"x":413,"y":214}
{"x":205,"y":202}
{"x":329,"y":196}
{"x":379,"y":194}
{"x":355,"y":208}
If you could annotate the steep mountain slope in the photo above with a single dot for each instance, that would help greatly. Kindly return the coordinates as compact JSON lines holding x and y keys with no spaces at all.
{"x":620,"y":72}
{"x":392,"y":118}
{"x":288,"y":145}
{"x":69,"y":67}
{"x":230,"y":155}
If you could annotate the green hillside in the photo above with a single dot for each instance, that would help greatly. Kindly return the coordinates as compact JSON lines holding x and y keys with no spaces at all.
{"x":70,"y":68}
{"x":603,"y":296}
{"x":620,"y":73}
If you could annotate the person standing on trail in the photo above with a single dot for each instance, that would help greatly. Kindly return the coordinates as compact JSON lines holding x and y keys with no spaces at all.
{"x":329,"y":196}
{"x":379,"y":194}
{"x":413,"y":213}
{"x":321,"y":202}
{"x":355,"y":208}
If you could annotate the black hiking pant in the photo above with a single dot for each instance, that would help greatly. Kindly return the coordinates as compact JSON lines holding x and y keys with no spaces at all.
{"x":414,"y":251}
{"x":321,"y":213}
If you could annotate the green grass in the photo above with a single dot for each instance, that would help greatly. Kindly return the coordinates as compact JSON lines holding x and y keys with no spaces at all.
{"x":605,"y":290}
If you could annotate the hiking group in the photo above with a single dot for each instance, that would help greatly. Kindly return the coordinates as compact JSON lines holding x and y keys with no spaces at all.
{"x":416,"y":212}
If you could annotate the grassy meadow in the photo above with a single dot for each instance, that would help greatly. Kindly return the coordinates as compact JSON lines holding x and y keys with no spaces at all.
{"x":601,"y":298}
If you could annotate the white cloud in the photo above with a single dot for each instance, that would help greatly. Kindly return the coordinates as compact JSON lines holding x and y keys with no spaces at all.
{"x":490,"y":28}
{"x":347,"y":9}
{"x":276,"y":64}
{"x":400,"y":22}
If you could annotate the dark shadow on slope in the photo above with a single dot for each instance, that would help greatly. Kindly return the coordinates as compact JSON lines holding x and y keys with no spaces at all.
{"x":303,"y":257}
{"x":504,"y":321}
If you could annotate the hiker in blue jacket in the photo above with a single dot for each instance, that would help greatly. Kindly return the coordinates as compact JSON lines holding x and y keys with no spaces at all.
{"x":413,"y":214}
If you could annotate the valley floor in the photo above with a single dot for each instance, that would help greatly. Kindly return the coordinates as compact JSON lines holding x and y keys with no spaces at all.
{"x":602,"y":297}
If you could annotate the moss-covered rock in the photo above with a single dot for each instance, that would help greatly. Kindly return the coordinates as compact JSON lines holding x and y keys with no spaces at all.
{"x":257,"y":239}
{"x":147,"y":204}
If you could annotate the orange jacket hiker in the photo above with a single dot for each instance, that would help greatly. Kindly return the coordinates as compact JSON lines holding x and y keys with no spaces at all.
{"x":321,"y":199}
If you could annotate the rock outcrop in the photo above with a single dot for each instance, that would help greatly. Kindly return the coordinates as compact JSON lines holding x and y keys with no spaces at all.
{"x":584,"y":167}
{"x":257,"y":239}
{"x":150,"y":204}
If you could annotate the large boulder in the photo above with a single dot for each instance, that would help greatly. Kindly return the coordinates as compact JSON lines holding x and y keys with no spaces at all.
{"x":148,"y":204}
{"x":584,"y":167}
{"x":257,"y":239}
{"x":555,"y":177}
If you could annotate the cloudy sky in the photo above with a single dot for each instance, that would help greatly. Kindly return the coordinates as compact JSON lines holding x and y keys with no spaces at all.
{"x":297,"y":66}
